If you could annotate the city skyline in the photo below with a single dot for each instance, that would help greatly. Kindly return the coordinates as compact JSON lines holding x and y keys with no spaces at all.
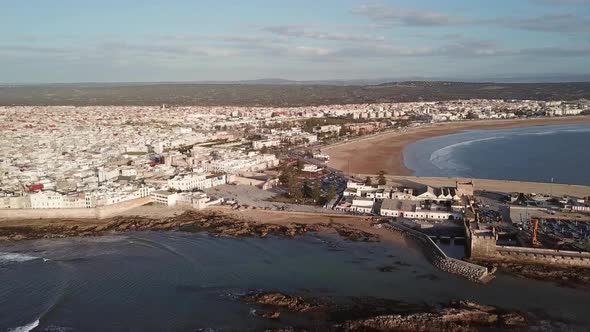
{"x":154,"y":41}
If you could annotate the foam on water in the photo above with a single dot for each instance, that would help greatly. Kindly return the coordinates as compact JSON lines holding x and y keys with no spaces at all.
{"x":554,"y":132}
{"x":26,"y":328}
{"x":10,"y":257}
{"x":442,"y":158}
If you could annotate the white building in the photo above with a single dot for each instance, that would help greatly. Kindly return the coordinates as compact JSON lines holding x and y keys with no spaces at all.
{"x":310,"y":168}
{"x":411,"y":209}
{"x":164,"y":197}
{"x":196,"y":181}
{"x":257,"y":145}
{"x":362,"y":205}
{"x":105,"y":175}
{"x":47,"y":200}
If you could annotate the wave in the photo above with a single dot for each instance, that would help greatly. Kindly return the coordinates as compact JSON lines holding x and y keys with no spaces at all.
{"x":442,"y":158}
{"x":26,"y":328}
{"x":11,"y":257}
{"x":555,"y":131}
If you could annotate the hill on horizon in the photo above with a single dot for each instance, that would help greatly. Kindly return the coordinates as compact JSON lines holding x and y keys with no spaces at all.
{"x":279,"y":94}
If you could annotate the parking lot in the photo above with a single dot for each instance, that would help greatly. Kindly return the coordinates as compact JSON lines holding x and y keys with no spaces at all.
{"x":252,"y":197}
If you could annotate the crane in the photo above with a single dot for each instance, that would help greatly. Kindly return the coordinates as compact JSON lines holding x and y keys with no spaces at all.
{"x":534,"y":240}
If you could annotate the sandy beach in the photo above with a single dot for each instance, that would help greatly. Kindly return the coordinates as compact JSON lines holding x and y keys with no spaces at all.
{"x":385,"y":152}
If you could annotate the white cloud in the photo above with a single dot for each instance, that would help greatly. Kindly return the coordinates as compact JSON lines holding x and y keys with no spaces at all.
{"x":392,"y":15}
{"x":303,"y":32}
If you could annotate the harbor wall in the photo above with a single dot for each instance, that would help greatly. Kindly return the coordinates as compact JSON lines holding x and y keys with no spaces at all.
{"x":438,"y":258}
{"x":484,"y":248}
{"x":100,"y":212}
{"x":542,"y":256}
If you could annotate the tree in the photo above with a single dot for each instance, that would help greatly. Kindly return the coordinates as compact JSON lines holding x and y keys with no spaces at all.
{"x":316,"y":193}
{"x":368,"y":181}
{"x":344,"y":131}
{"x":300,"y":164}
{"x":331,"y":194}
{"x":285,"y":176}
{"x":306,"y":189}
{"x":295,"y":191}
{"x":381,"y":178}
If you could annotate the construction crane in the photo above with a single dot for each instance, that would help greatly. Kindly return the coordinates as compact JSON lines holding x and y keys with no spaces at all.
{"x":534,"y":240}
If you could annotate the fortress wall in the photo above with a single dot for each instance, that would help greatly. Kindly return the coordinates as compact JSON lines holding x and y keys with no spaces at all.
{"x":543,"y":256}
{"x":100,"y":212}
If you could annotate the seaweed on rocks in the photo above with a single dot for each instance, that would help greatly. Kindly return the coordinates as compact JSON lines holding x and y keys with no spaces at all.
{"x":376,"y":314}
{"x":215,"y":224}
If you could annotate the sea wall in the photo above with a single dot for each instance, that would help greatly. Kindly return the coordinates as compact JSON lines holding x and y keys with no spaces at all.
{"x":438,"y":258}
{"x":542,"y":256}
{"x":100,"y":212}
{"x":484,"y":248}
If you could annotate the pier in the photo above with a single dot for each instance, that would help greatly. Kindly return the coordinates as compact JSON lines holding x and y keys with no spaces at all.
{"x":438,"y":258}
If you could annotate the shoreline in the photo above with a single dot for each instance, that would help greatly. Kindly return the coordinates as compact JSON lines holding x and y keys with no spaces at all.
{"x":215,"y":222}
{"x":220,"y":222}
{"x":384,"y":152}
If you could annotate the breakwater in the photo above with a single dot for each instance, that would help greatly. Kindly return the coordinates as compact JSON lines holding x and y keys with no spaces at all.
{"x":438,"y":258}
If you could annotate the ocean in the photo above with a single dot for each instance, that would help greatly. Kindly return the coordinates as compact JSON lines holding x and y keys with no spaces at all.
{"x":558,"y":153}
{"x":174,"y":281}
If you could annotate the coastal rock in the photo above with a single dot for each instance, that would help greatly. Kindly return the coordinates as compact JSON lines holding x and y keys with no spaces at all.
{"x":374,"y":314}
{"x":353,"y":234}
{"x":513,"y":320}
{"x":216,"y":224}
{"x":280,"y":300}
{"x":417,"y":322}
{"x":267,"y":314}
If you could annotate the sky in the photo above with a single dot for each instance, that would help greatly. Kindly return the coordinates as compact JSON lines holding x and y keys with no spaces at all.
{"x":43,"y":41}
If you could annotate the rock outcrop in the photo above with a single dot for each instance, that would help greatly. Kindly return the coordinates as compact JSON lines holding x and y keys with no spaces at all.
{"x":283,"y":301}
{"x":374,"y":314}
{"x":216,"y":224}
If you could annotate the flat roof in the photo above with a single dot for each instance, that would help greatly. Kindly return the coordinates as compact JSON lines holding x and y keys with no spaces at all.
{"x":163,"y":193}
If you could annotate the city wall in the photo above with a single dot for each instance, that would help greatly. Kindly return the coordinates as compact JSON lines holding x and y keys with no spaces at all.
{"x":439,"y":259}
{"x":542,"y":256}
{"x":100,"y":212}
{"x":484,"y":248}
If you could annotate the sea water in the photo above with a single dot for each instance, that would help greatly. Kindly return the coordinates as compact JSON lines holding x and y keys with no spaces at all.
{"x":558,"y":153}
{"x":174,"y":281}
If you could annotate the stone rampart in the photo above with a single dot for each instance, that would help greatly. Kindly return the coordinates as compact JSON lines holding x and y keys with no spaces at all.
{"x":542,"y":256}
{"x":100,"y":212}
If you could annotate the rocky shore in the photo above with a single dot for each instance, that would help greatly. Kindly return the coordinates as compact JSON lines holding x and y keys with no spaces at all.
{"x":216,"y":224}
{"x":373,"y":314}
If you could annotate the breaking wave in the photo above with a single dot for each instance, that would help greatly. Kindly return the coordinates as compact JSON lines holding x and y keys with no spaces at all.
{"x":10,"y":257}
{"x":25,"y":328}
{"x":555,"y":131}
{"x":442,"y":158}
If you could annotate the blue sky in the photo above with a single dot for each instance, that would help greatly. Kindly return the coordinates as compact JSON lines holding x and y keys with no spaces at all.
{"x":180,"y":40}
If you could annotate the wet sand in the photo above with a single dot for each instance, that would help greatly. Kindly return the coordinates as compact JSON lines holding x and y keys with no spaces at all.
{"x":385,"y":152}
